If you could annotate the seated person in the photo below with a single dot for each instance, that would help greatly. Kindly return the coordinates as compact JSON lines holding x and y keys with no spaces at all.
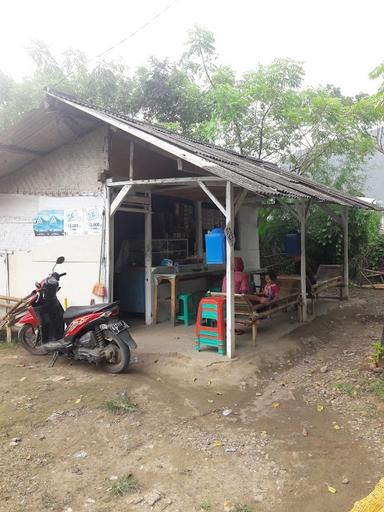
{"x":241,"y":279}
{"x":270,"y":290}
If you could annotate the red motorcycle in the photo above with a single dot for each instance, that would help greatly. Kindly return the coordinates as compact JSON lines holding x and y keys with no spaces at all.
{"x":91,"y":333}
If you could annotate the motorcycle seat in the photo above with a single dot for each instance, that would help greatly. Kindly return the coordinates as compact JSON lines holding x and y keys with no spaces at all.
{"x":76,"y":311}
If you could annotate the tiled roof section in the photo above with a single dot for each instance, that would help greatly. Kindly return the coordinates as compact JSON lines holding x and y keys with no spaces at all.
{"x":258,"y":176}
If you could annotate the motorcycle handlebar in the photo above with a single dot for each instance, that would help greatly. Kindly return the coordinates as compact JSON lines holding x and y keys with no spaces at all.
{"x":63,"y":274}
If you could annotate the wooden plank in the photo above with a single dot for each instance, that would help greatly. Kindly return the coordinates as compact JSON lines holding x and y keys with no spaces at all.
{"x":165,"y":181}
{"x":148,"y":266}
{"x":344,"y":216}
{"x":109,"y":231}
{"x":9,"y":298}
{"x":240,"y":199}
{"x":303,"y":266}
{"x":199,"y":229}
{"x":119,"y":198}
{"x":230,"y":278}
{"x":131,"y":154}
{"x":213,"y":198}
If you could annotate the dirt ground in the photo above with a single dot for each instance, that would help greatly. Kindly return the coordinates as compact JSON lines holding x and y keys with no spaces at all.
{"x":254,"y":434}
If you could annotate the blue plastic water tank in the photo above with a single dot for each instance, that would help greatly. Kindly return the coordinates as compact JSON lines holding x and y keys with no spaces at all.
{"x":215,"y":247}
{"x":292,"y":244}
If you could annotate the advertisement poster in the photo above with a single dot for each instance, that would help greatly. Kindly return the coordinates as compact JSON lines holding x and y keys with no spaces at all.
{"x":49,"y":223}
{"x":93,"y":220}
{"x":74,"y":221}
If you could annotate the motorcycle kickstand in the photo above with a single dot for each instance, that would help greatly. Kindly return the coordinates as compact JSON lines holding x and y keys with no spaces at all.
{"x":53,"y":359}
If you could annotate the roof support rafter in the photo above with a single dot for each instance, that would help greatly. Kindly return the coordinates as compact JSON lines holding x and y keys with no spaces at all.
{"x":212,"y":197}
{"x":119,"y":198}
{"x":239,"y":200}
{"x":165,"y":181}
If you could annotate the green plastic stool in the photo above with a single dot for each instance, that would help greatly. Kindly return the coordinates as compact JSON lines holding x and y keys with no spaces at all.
{"x":185,"y":303}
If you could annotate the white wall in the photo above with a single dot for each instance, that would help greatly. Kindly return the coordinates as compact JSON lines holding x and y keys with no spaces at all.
{"x":249,"y":237}
{"x":31,"y":258}
{"x":65,"y":178}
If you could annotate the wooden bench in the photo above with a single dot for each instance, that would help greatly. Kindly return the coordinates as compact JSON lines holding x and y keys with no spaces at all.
{"x":249,"y":314}
{"x":327,"y":277}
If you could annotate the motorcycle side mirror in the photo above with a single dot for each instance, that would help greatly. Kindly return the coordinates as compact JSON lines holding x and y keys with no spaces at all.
{"x":59,"y":261}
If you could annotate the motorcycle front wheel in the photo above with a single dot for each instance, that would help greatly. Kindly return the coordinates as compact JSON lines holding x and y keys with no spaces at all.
{"x":29,"y":339}
{"x":118,"y":356}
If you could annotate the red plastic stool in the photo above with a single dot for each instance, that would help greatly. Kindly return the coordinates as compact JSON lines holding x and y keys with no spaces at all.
{"x":210,"y":324}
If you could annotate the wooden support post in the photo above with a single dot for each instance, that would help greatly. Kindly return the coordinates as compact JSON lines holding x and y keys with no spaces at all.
{"x":199,"y":229}
{"x":131,"y":154}
{"x":230,"y":304}
{"x":346,"y":260}
{"x":148,"y":264}
{"x":303,"y":266}
{"x":109,"y":227}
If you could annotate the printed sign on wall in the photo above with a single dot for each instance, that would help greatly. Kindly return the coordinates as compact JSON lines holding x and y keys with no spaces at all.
{"x":74,"y":221}
{"x":93,"y":220}
{"x":49,"y":223}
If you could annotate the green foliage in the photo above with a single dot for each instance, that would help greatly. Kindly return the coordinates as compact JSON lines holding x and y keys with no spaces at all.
{"x":121,"y":405}
{"x":347,"y":388}
{"x":377,"y":388}
{"x":265,"y":113}
{"x":241,"y":507}
{"x":377,"y":353}
{"x":205,"y":506}
{"x":126,"y":484}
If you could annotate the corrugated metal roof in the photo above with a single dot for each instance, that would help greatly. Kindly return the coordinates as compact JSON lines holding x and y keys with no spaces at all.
{"x":258,"y":176}
{"x":41,"y":134}
{"x":38,"y":132}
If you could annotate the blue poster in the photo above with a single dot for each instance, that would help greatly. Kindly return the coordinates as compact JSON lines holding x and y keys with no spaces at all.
{"x":49,"y":223}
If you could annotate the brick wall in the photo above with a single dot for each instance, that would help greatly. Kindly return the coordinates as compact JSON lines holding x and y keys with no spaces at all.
{"x":69,"y":170}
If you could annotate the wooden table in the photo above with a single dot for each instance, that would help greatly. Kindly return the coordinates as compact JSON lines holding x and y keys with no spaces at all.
{"x":173,"y":279}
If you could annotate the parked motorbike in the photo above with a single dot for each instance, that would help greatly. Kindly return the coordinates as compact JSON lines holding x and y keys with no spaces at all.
{"x":92,"y":333}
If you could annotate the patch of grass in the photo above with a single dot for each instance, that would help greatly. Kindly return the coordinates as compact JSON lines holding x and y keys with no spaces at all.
{"x":205,"y":506}
{"x":121,"y":405}
{"x":241,"y":507}
{"x":126,"y":484}
{"x":377,"y":388}
{"x":347,"y":388}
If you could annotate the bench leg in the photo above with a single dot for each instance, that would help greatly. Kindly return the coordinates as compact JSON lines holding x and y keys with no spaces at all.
{"x":254,"y":333}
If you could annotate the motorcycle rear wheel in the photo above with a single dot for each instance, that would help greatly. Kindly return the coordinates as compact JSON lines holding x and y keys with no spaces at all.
{"x":122,"y":356}
{"x":27,"y":337}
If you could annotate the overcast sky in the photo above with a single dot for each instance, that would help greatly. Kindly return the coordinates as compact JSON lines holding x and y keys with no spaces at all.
{"x":339,"y":41}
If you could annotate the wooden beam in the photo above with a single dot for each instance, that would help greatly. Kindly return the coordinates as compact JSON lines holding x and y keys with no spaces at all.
{"x":165,"y":181}
{"x":199,"y":228}
{"x":148,"y":264}
{"x":213,"y":198}
{"x":230,"y":278}
{"x":131,"y":155}
{"x":303,"y":263}
{"x":142,"y":200}
{"x":119,"y":198}
{"x":240,"y":199}
{"x":108,"y":232}
{"x":132,"y":210}
{"x":344,"y":216}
